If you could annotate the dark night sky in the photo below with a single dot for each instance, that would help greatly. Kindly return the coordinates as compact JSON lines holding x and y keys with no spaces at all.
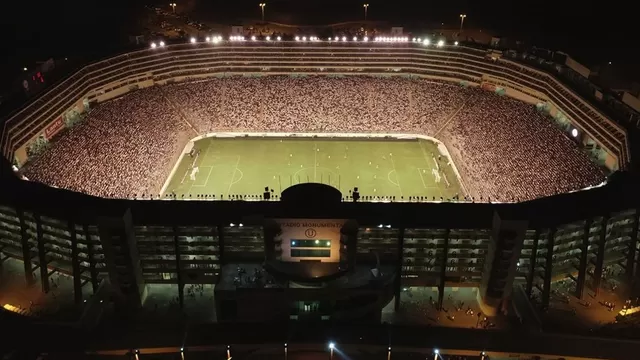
{"x":592,"y":31}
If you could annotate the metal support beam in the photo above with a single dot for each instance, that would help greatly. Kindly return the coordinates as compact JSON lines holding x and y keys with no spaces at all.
{"x":584,"y":252}
{"x":443,"y":269}
{"x":93,"y":273}
{"x":532,"y":263}
{"x":75,"y":265}
{"x":399,"y":262}
{"x":597,"y":273}
{"x":546,"y":290}
{"x":26,"y":250}
{"x":42,"y":256}
{"x":176,"y":243}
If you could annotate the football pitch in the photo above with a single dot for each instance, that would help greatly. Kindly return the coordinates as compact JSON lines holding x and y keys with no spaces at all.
{"x":380,"y":168}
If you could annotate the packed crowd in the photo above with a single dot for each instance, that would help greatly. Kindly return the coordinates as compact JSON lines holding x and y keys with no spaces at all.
{"x":124,"y":147}
{"x":505,"y":149}
{"x":510,"y":151}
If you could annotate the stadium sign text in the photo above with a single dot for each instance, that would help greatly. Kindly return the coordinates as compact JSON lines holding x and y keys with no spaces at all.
{"x":54,"y":128}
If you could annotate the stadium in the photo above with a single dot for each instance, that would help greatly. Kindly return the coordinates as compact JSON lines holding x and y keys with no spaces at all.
{"x":320,"y":179}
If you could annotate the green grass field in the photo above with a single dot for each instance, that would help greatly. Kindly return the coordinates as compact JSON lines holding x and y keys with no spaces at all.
{"x":383,"y":168}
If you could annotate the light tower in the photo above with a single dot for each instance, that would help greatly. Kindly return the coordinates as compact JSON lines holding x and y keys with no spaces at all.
{"x":173,"y":6}
{"x":262,"y":5}
{"x":366,"y":8}
{"x":462,"y":16}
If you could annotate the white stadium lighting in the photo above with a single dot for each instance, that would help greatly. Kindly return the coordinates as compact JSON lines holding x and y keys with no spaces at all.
{"x":304,"y":38}
{"x":297,"y":38}
{"x":268,"y":38}
{"x":344,"y":38}
{"x":153,"y":46}
{"x":332,"y":346}
{"x":279,"y":38}
{"x":355,"y":38}
{"x":207,"y":39}
{"x":365,"y":39}
{"x":329,"y":38}
{"x":440,"y":43}
{"x":426,"y":42}
{"x":337,"y":39}
{"x":253,"y":38}
{"x":161,"y":43}
{"x":193,"y":40}
{"x":436,"y":351}
{"x":455,"y":43}
{"x":574,"y":133}
{"x":419,"y":40}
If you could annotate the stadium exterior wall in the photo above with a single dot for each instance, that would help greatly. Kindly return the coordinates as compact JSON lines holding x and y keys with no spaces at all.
{"x":131,"y":71}
{"x":441,"y":146}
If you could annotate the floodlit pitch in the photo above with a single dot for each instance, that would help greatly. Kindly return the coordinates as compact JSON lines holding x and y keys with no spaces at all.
{"x":379,"y":168}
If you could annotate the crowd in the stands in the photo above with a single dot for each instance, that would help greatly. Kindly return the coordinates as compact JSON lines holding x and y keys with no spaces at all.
{"x":504,"y":149}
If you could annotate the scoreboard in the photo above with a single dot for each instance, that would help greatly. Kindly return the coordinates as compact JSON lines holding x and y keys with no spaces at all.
{"x":32,"y":83}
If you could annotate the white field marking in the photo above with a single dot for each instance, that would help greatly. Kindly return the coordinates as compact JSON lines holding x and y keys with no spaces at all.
{"x":421,"y":178}
{"x":206,"y":182}
{"x":393,"y":163}
{"x":232,"y":176}
{"x":436,"y":162}
{"x":240,"y":178}
{"x":445,"y":179}
{"x":389,"y":178}
{"x":185,"y":176}
{"x":315,"y":161}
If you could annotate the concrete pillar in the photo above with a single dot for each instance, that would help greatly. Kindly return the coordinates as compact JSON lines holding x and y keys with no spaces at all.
{"x":602,"y":240}
{"x":75,"y":265}
{"x":176,"y":244}
{"x":546,"y":290}
{"x":443,"y":269}
{"x":532,"y":263}
{"x":220,"y":230}
{"x":93,"y":272}
{"x":42,"y":256}
{"x":501,"y":263}
{"x":631,"y":250}
{"x":582,"y":268}
{"x":26,"y":249}
{"x":399,"y":262}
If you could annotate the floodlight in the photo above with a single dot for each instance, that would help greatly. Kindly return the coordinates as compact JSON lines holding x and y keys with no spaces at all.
{"x":440,"y":43}
{"x":365,"y":39}
{"x":332,"y":346}
{"x":344,"y":38}
{"x":268,"y":38}
{"x":355,"y":38}
{"x":153,"y":46}
{"x":253,"y":38}
{"x":279,"y":38}
{"x":426,"y":42}
{"x":193,"y":40}
{"x":161,"y":43}
{"x":297,"y":38}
